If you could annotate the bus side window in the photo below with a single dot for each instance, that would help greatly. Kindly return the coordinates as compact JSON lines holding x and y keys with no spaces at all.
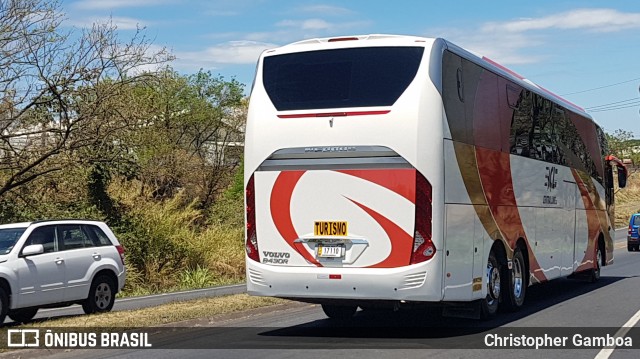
{"x":513,"y":95}
{"x":608,"y":175}
{"x":460,"y":82}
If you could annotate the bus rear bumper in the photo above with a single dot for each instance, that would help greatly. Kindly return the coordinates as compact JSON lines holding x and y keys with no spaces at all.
{"x":418,"y":282}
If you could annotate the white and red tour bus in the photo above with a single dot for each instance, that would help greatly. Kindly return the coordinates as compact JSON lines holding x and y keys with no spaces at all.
{"x":387,"y":169}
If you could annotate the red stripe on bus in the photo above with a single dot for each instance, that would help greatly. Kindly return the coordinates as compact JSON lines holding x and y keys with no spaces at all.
{"x":495,"y":174}
{"x":401,"y":241}
{"x":593,"y":224}
{"x":280,"y":204}
{"x":560,"y":98}
{"x":503,"y":68}
{"x":394,"y":180}
{"x":335,"y":114}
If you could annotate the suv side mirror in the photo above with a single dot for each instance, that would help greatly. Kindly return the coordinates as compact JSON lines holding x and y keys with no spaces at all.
{"x":32,"y":250}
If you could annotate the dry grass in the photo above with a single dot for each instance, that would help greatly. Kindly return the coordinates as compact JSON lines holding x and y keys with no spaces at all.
{"x":628,"y":200}
{"x":171,"y":246}
{"x":164,"y":314}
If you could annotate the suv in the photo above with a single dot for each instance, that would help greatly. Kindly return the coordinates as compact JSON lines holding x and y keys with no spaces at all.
{"x":58,"y":263}
{"x":633,"y":243}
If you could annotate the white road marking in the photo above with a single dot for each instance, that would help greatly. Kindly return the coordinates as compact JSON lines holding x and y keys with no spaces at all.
{"x":606,"y":352}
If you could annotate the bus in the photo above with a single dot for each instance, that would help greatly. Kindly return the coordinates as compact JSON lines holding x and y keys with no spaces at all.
{"x":399,"y":170}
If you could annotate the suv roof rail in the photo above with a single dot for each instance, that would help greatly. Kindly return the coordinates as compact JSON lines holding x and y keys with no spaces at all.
{"x":64,"y":219}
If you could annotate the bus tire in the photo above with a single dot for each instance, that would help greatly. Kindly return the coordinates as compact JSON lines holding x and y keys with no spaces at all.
{"x":516,"y":280}
{"x":339,"y":312}
{"x":595,"y":273}
{"x":489,"y":305}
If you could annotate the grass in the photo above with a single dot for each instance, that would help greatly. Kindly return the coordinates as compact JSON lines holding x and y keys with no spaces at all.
{"x":628,"y":200}
{"x":172,"y":245}
{"x":164,"y":314}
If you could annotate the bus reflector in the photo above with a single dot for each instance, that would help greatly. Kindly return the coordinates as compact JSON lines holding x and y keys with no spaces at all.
{"x":423,"y":247}
{"x":251,"y":244}
{"x":335,"y":276}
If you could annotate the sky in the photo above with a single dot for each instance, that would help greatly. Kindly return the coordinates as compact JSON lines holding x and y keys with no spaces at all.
{"x":586,"y":51}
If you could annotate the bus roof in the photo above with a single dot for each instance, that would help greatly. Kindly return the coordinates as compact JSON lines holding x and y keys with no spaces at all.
{"x":467,"y":54}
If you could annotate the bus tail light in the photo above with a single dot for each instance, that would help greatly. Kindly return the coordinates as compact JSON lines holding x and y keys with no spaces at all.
{"x":423,"y":247}
{"x":251,"y":245}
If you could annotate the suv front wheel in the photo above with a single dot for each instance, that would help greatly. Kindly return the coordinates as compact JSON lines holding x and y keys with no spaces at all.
{"x":23,"y":315}
{"x":102,"y":295}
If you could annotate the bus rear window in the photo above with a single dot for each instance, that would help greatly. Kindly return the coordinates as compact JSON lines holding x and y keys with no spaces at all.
{"x":354,"y":77}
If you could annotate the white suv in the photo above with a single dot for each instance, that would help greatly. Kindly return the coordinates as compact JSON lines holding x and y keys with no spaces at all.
{"x":58,"y":263}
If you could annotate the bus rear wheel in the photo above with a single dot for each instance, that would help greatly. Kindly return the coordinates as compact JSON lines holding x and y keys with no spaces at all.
{"x":489,"y":305}
{"x":517,"y":281}
{"x":595,"y":272}
{"x":339,"y":312}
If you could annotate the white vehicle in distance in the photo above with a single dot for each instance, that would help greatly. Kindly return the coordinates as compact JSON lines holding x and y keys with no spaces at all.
{"x":57,"y":263}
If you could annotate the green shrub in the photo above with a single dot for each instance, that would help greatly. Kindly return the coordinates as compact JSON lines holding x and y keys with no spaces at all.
{"x":198,"y":277}
{"x":168,"y":246}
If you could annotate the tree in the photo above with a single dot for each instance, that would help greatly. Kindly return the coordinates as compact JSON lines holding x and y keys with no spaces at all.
{"x":184,"y":131}
{"x":55,"y":86}
{"x":619,"y":144}
{"x":623,"y":146}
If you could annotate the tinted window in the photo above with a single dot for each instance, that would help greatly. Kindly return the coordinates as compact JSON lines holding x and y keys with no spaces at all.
{"x":73,"y":236}
{"x":355,"y":77}
{"x":8,"y":238}
{"x":46,"y":236}
{"x":636,"y":221}
{"x":544,"y":131}
{"x":98,"y":236}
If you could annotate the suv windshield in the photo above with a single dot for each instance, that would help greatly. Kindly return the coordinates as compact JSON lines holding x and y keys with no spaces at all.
{"x":8,"y":238}
{"x":354,"y":77}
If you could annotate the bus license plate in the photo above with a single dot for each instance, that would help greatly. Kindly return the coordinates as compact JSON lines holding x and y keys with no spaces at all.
{"x":329,"y":251}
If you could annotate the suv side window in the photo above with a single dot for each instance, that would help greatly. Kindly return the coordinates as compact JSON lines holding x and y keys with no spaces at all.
{"x":45,"y":235}
{"x":98,"y":237}
{"x":73,"y":237}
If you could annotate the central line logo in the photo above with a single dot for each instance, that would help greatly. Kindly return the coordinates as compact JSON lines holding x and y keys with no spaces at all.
{"x":550,"y":178}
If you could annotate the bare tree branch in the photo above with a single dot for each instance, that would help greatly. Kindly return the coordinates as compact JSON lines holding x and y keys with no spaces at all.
{"x":54,"y":85}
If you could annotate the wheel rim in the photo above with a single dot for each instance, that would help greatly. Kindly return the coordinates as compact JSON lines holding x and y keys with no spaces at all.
{"x":103,"y":296}
{"x":493,"y":283}
{"x":517,"y":278}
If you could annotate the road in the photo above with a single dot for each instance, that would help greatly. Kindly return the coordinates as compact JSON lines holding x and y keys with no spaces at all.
{"x":301,"y":330}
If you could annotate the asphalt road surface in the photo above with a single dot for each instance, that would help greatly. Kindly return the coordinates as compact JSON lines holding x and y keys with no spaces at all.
{"x":556,"y":309}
